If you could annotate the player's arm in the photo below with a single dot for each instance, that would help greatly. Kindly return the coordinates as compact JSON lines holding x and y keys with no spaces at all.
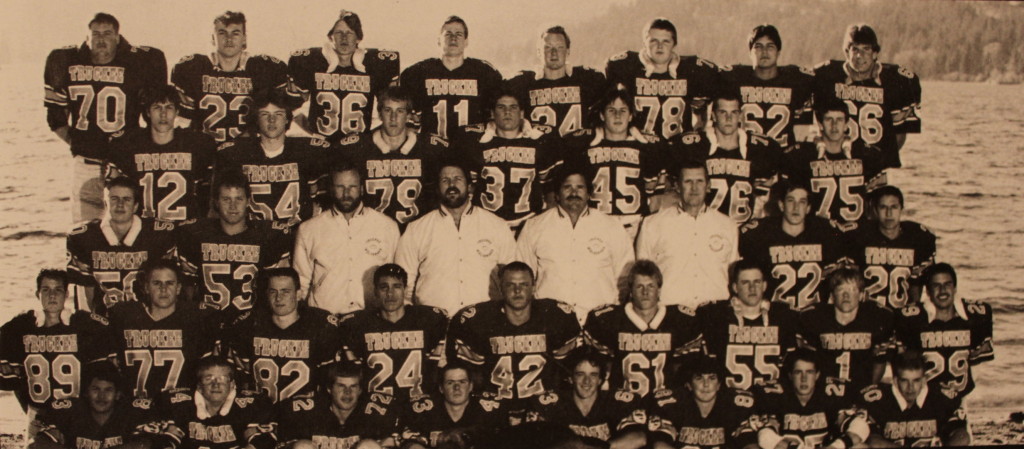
{"x":409,"y":255}
{"x":56,"y":98}
{"x":299,"y":86}
{"x":302,"y":259}
{"x":955,"y":431}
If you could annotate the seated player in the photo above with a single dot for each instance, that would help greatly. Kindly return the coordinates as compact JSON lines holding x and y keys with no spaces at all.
{"x":910,"y":414}
{"x":401,"y":343}
{"x":104,"y":255}
{"x":646,"y":338}
{"x":282,"y":345}
{"x":455,"y":418}
{"x":341,"y":416}
{"x":954,"y":334}
{"x":853,"y":337}
{"x":215,"y":415}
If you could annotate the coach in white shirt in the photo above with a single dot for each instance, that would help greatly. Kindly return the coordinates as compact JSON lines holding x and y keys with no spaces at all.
{"x":580,"y":255}
{"x":452,"y":253}
{"x":692,"y":244}
{"x":337,"y":251}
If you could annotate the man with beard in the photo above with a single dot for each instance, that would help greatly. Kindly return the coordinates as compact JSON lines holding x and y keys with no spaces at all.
{"x":337,"y":251}
{"x":452,"y":253}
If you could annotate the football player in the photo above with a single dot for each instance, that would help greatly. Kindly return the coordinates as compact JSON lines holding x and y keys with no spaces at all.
{"x":798,"y":250}
{"x":455,"y":418}
{"x":516,"y":341}
{"x":172,"y":166}
{"x":560,"y":95}
{"x":953,"y":334}
{"x":283,"y":344}
{"x":400,"y":343}
{"x":671,"y":91}
{"x":92,"y":92}
{"x":647,"y":339}
{"x":216,"y":88}
{"x":776,"y":99}
{"x":284,"y":172}
{"x":747,"y":333}
{"x":104,"y":255}
{"x":451,"y":91}
{"x":893,"y":252}
{"x":883,"y":99}
{"x":853,"y":337}
{"x":340,"y":80}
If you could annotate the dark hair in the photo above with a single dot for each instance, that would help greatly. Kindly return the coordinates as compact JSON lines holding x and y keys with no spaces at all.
{"x":263,"y":98}
{"x":726,"y":95}
{"x":102,"y":17}
{"x":661,"y":23}
{"x":557,"y":29}
{"x":102,"y":370}
{"x":645,"y":267}
{"x":908,"y":360}
{"x":341,"y":369}
{"x":764,"y":30}
{"x":351,"y":19}
{"x":124,"y":181}
{"x":231,"y":18}
{"x":51,"y":273}
{"x":800,"y":354}
{"x":829,"y":105}
{"x":779,"y":191}
{"x":590,"y":356}
{"x":457,"y":19}
{"x":211,"y":361}
{"x":843,"y":275}
{"x":390,"y":270}
{"x":453,"y":365}
{"x":886,"y":190}
{"x":704,"y":365}
{"x":506,"y":89}
{"x":395,"y":93}
{"x":688,"y":163}
{"x":281,"y":272}
{"x":609,"y":97}
{"x":861,"y":33}
{"x":565,"y":171}
{"x":743,"y":265}
{"x":230,"y":179}
{"x":345,"y":164}
{"x":159,"y":94}
{"x":936,"y":269}
{"x":516,"y":266}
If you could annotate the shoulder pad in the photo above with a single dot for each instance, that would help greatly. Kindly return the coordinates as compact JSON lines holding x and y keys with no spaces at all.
{"x":318,"y":142}
{"x":440,"y":311}
{"x":601,"y":310}
{"x":911,"y":310}
{"x":619,"y":56}
{"x":438,"y":140}
{"x":546,"y":129}
{"x":705,"y":62}
{"x":686,"y":310}
{"x":61,"y":404}
{"x":744,"y":398}
{"x":99,"y":318}
{"x":725,"y":67}
{"x":244,"y":402}
{"x":349,"y":140}
{"x":68,"y":47}
{"x":822,"y":64}
{"x":422,"y":405}
{"x":626,"y":396}
{"x":226,"y":145}
{"x":477,"y":128}
{"x":564,"y":306}
{"x":346,"y":317}
{"x":118,"y":134}
{"x":186,"y":58}
{"x":387,"y":55}
{"x":925,"y":228}
{"x":301,"y":52}
{"x":467,"y":313}
{"x":871,"y":393}
{"x":690,"y":138}
{"x":144,"y":404}
{"x":79,"y":228}
{"x":332,"y":319}
{"x":489,"y":405}
{"x":582,"y":132}
{"x":548,"y":398}
{"x":905,"y":72}
{"x":180,"y":397}
{"x":269,"y":58}
{"x":805,"y":70}
{"x":488,"y":64}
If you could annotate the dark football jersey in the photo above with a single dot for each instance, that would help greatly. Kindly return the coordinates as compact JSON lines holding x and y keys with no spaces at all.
{"x":563,"y":104}
{"x":515,"y":360}
{"x":796,"y":265}
{"x":511,"y":174}
{"x":839,"y":183}
{"x":918,"y":425}
{"x":285,"y":186}
{"x":44,"y":363}
{"x":398,"y":183}
{"x":624,"y":173}
{"x":890,"y":265}
{"x":612,"y":413}
{"x":309,"y":416}
{"x":67,"y":422}
{"x":449,"y":99}
{"x":880,"y":106}
{"x":816,"y":424}
{"x":249,"y":420}
{"x":174,"y":179}
{"x":403,"y":356}
{"x":848,"y":352}
{"x":771,"y":107}
{"x":341,"y":99}
{"x":226,"y":267}
{"x":283,"y":362}
{"x":96,"y":258}
{"x":752,"y":351}
{"x":160,"y":355}
{"x":644,"y":355}
{"x":99,"y":99}
{"x":426,"y":421}
{"x":732,"y":421}
{"x":667,"y":103}
{"x":951,"y":347}
{"x":218,"y":101}
{"x":736,"y":176}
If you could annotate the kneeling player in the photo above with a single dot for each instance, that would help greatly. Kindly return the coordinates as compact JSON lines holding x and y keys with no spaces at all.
{"x":455,"y":418}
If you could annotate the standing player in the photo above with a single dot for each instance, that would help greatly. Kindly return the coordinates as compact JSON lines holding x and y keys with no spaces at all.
{"x":283,"y":172}
{"x":560,"y":95}
{"x":516,"y":341}
{"x":776,"y":99}
{"x":893,"y":252}
{"x":400,"y":343}
{"x":952,"y":333}
{"x":671,"y":91}
{"x":172,"y":166}
{"x":216,"y":88}
{"x":104,"y":255}
{"x":798,"y":250}
{"x":451,"y":91}
{"x":92,"y":92}
{"x":747,"y":333}
{"x":883,"y":99}
{"x":646,"y":341}
{"x":339,"y":81}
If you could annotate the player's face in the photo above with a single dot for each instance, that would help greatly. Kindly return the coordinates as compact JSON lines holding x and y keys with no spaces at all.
{"x":456,"y":386}
{"x":795,"y":206}
{"x":215,"y":383}
{"x":727,"y":117}
{"x":572,"y":194}
{"x":693,"y":183}
{"x":861,"y":57}
{"x":833,"y":126}
{"x":749,"y":287}
{"x":804,"y":377}
{"x":660,"y":45}
{"x":942,"y":290}
{"x":230,"y":39}
{"x":102,"y":395}
{"x":120,"y":202}
{"x":163,"y":288}
{"x":345,"y":40}
{"x":508,"y":116}
{"x":764,"y":54}
{"x":704,"y":386}
{"x":232,"y":204}
{"x":644,"y":292}
{"x":847,"y":297}
{"x":453,"y":40}
{"x":889,"y":212}
{"x":395,"y":115}
{"x":616,"y":117}
{"x":555,"y":52}
{"x":52,"y":293}
{"x":273,"y":121}
{"x":282,"y":295}
{"x":103,"y":42}
{"x":454,"y":187}
{"x":910,"y":382}
{"x":162,"y":115}
{"x":345,"y":392}
{"x":348,"y":190}
{"x":586,"y":380}
{"x":517,"y":289}
{"x":390,"y":292}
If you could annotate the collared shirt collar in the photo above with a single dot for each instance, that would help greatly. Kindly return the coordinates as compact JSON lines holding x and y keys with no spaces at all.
{"x":65,"y":315}
{"x":539,"y":74}
{"x":405,"y":149}
{"x":129,"y":238}
{"x":443,"y":210}
{"x":929,"y":307}
{"x":921,"y":395}
{"x":562,"y":213}
{"x":847,"y":145}
{"x":876,"y":75}
{"x":242,"y":61}
{"x":337,"y":213}
{"x":649,"y":65}
{"x":679,"y":208}
{"x":640,"y":323}
{"x":526,"y":131}
{"x":333,"y":61}
{"x":713,"y":140}
{"x":200,"y":401}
